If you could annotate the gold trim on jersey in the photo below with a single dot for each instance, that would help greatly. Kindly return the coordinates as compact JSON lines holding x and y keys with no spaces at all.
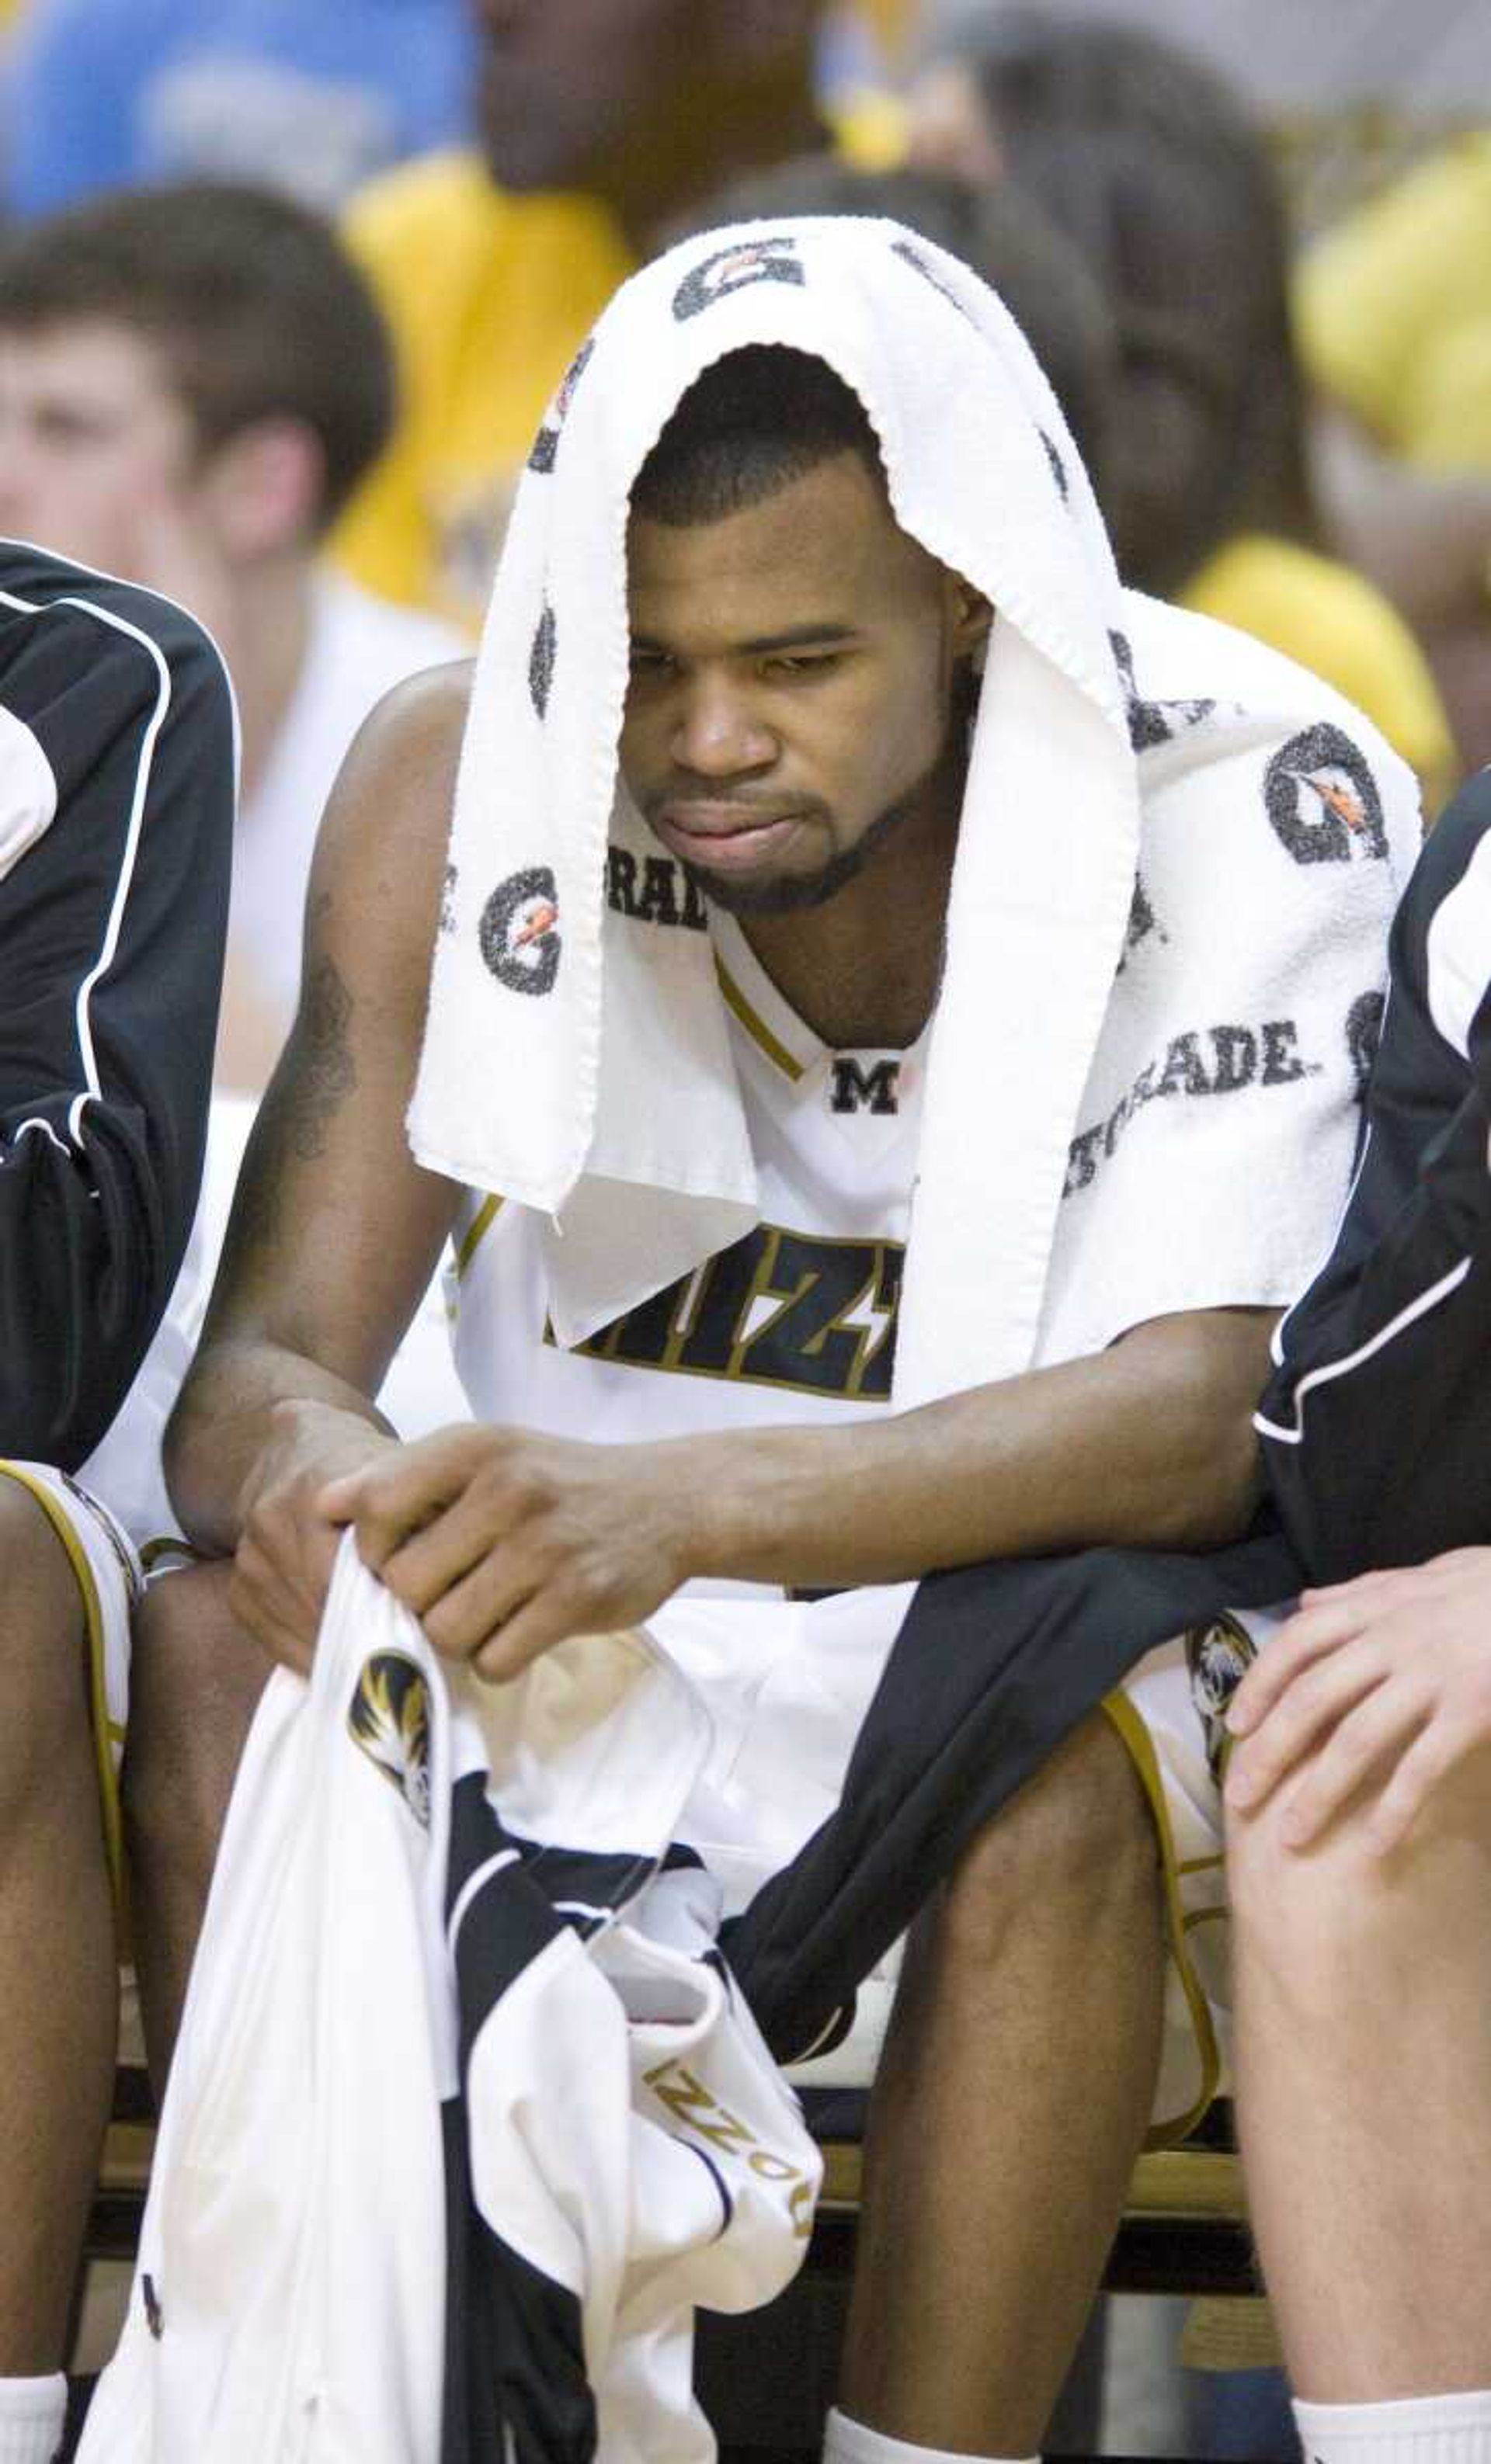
{"x":756,"y":1026}
{"x":107,"y":1734}
{"x":1179,"y":1922}
{"x":476,"y":1233}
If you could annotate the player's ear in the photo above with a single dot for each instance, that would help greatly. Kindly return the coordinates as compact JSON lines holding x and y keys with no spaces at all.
{"x":972,"y":618}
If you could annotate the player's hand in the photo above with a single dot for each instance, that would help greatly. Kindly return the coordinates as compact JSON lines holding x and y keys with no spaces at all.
{"x":1379,"y":1689}
{"x":286,"y":1545}
{"x":503,"y":1543}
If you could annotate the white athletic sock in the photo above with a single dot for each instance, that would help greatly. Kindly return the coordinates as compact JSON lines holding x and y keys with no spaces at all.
{"x":32,"y":2415}
{"x":850,"y":2442}
{"x":1416,"y":2429}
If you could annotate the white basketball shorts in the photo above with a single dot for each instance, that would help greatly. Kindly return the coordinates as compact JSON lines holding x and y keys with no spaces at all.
{"x":109,"y":1582}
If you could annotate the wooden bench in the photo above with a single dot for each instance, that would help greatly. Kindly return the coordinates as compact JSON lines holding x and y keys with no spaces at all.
{"x":124,"y":2174}
{"x":1184,"y":2226}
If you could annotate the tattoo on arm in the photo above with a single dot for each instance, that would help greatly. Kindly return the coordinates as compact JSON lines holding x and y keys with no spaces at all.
{"x":325,"y":1073}
{"x":316,"y":1075}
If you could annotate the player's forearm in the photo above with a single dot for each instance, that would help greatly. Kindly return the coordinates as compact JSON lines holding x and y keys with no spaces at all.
{"x":1148,"y":1444}
{"x":241,"y":1401}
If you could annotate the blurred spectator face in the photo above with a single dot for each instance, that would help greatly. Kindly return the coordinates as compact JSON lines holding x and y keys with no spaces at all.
{"x":949,"y":128}
{"x":95,"y":445}
{"x":570,"y":90}
{"x":564,"y":81}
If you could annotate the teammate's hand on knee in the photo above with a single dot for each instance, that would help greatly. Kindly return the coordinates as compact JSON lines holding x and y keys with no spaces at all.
{"x":503,"y":1543}
{"x":1377,"y":1689}
{"x":286,"y":1545}
{"x":1295,"y":1690}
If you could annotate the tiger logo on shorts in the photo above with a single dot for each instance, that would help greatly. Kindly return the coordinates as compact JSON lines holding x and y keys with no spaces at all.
{"x":1218,"y":1657}
{"x":389,"y":1719}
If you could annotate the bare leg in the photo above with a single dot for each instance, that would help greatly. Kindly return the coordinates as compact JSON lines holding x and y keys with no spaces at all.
{"x":196,"y":1685}
{"x":58,"y":1979}
{"x":1362,"y":1993}
{"x":1012,"y":2100}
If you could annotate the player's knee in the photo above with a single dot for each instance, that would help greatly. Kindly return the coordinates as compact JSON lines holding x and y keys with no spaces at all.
{"x":42,"y":1659}
{"x":1319,"y":1928}
{"x":195,"y":1682}
{"x":1077,"y":1837}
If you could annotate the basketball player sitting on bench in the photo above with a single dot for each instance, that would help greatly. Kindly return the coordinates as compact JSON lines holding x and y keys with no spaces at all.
{"x":795,"y":735}
{"x":116,"y":820}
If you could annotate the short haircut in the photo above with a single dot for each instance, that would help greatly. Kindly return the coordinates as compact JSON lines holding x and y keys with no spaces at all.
{"x":1001,"y":235}
{"x":254,"y":305}
{"x":755,"y":421}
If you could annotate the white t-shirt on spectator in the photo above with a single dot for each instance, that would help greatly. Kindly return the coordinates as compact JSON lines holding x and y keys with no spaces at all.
{"x":359,"y":648}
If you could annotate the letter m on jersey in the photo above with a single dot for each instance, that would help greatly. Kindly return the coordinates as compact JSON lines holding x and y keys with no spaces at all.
{"x":855,"y":1089}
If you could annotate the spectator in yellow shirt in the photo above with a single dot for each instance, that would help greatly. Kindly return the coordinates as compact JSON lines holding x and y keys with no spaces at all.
{"x":1147,"y":158}
{"x":597,"y":123}
{"x":1395,"y":312}
{"x":1394,"y":318}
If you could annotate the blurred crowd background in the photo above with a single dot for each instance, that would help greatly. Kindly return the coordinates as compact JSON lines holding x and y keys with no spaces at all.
{"x":286,"y":286}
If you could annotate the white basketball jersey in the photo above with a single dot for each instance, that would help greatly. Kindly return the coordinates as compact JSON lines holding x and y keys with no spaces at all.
{"x":795,"y":1322}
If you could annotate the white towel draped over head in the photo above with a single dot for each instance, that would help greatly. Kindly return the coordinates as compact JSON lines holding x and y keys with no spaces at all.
{"x":578,"y":1059}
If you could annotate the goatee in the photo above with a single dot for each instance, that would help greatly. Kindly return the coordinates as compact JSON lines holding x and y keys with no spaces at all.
{"x":790,"y":893}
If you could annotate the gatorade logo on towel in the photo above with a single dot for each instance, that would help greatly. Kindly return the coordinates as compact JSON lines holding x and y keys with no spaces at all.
{"x":1322,"y":800}
{"x":546,"y":445}
{"x":1364,"y":1032}
{"x":912,"y":256}
{"x":520,"y":943}
{"x":1152,"y":722}
{"x":731,"y":269}
{"x":541,"y":660}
